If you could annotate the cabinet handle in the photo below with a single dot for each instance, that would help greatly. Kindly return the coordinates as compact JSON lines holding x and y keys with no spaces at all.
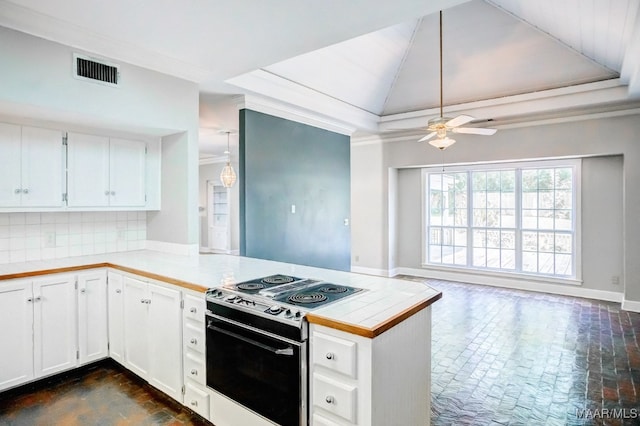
{"x":18,"y":190}
{"x":37,"y":299}
{"x":83,"y":290}
{"x":194,"y":372}
{"x":118,"y":291}
{"x":142,"y":301}
{"x":113,"y":192}
{"x":330,"y":355}
{"x":193,"y":310}
{"x":329,"y":399}
{"x":194,"y":403}
{"x":25,"y":191}
{"x":194,"y":341}
{"x":106,"y":192}
{"x":30,"y":300}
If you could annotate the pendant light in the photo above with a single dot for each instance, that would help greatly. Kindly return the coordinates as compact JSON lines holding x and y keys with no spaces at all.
{"x":228,"y":175}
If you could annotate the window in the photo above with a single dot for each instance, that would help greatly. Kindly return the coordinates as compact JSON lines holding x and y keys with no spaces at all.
{"x":518,"y":217}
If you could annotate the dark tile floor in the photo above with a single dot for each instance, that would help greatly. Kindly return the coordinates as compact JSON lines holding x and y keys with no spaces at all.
{"x":519,"y":358}
{"x":102,"y":394}
{"x":500,"y":357}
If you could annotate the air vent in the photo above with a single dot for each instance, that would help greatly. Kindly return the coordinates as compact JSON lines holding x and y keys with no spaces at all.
{"x":86,"y":68}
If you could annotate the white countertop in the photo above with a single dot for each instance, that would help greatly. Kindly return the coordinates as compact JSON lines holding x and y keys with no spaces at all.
{"x":387,"y":297}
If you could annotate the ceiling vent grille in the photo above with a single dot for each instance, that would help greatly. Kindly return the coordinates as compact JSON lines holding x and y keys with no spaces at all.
{"x":86,"y":68}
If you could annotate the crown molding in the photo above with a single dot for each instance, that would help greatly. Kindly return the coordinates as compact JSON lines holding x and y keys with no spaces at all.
{"x":307,"y":104}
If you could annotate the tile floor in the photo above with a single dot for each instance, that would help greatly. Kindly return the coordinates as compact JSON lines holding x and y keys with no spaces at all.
{"x":506,"y":357}
{"x":500,"y":357}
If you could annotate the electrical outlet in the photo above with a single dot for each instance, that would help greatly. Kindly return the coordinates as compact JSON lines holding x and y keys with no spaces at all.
{"x":357,"y":258}
{"x":49,"y":239}
{"x":615,"y":280}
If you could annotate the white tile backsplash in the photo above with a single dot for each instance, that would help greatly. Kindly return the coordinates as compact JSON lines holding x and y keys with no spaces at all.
{"x":43,"y":236}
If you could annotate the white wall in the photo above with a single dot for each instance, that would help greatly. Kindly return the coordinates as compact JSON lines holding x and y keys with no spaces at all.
{"x":211,"y":172}
{"x":37,"y":83}
{"x":597,"y":137}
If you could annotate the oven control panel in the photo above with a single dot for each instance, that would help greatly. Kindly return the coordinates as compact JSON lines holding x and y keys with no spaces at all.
{"x":258,"y":305}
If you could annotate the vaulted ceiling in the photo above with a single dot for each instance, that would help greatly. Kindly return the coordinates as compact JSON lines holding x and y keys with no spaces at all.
{"x":368,"y":65}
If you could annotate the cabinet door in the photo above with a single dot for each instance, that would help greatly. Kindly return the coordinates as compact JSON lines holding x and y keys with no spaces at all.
{"x":116,"y":317}
{"x":16,"y":334}
{"x":92,"y":316}
{"x":10,"y":184}
{"x":165,"y":340}
{"x":88,"y":170}
{"x":127,"y":173}
{"x":54,"y":308}
{"x":42,"y":167}
{"x":136,"y":348}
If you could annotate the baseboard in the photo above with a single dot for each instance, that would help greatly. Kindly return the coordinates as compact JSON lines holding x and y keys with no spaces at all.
{"x":370,"y":271}
{"x":631,"y":305}
{"x":517,"y":284}
{"x":173,"y":248}
{"x":205,"y":250}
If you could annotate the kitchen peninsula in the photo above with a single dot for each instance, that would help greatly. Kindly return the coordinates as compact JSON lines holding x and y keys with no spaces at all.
{"x":369,"y":354}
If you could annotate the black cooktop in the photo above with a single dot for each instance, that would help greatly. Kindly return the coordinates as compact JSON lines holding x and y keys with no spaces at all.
{"x":303,"y":292}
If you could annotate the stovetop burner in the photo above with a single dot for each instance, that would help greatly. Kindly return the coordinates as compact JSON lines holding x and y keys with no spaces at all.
{"x":278,"y":279}
{"x":307,"y":298}
{"x":333,"y":289}
{"x":250,"y":286}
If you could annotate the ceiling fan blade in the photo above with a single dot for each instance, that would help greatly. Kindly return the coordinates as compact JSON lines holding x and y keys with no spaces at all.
{"x":429,"y":136}
{"x":474,"y":130}
{"x":458,"y":121}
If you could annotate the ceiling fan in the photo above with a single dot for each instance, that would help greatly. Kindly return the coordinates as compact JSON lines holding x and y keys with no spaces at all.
{"x":440,"y":126}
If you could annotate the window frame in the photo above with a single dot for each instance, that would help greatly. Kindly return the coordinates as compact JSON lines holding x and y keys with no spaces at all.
{"x":518,"y":166}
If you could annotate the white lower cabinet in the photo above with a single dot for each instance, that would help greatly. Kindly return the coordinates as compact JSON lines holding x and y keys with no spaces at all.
{"x":42,"y":335}
{"x":115,"y":301}
{"x":355,"y":380}
{"x":196,"y":395}
{"x":150,"y":332}
{"x":93,"y":343}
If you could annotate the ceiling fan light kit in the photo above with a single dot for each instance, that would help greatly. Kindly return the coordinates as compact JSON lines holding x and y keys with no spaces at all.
{"x":440,"y":126}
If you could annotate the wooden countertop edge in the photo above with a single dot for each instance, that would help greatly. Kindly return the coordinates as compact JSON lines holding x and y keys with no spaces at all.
{"x":311,"y":317}
{"x":378,"y":329}
{"x":179,"y":283}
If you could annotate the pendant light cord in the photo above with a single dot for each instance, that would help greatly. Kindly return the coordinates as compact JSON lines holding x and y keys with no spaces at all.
{"x":441,"y":98}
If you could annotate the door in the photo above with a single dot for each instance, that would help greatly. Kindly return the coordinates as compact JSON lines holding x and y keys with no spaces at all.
{"x":16,"y":333}
{"x":54,"y":308}
{"x":116,"y":317}
{"x":218,"y":217}
{"x":42,"y":167}
{"x":136,"y":320}
{"x":92,"y":316}
{"x":88,"y":170}
{"x":10,"y":184}
{"x":127,"y":172}
{"x":165,"y":340}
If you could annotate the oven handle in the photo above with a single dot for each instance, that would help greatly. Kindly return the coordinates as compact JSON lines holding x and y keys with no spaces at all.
{"x":286,"y":351}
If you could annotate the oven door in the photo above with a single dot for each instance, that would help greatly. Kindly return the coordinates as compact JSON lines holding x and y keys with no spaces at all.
{"x":263,"y":372}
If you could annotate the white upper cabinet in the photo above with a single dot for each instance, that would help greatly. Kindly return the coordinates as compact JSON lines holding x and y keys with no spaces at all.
{"x":33,"y":168}
{"x":104,"y":172}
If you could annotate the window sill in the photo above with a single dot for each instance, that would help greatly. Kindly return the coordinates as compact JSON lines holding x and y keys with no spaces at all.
{"x":505,"y":275}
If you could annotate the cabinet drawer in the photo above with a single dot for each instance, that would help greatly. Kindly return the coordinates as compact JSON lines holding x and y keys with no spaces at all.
{"x":197,"y":400}
{"x":194,"y":367}
{"x":335,"y":397}
{"x":334,"y":353}
{"x":194,"y":337}
{"x":319,"y":420}
{"x":194,"y":308}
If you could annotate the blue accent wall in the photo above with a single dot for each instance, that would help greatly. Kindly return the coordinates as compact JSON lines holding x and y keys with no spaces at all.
{"x":285,"y":164}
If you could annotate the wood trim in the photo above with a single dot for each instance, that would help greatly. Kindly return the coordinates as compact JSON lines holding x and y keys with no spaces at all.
{"x":179,"y":283}
{"x":379,"y":328}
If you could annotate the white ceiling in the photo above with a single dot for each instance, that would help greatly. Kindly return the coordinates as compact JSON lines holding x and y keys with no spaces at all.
{"x":367,"y":64}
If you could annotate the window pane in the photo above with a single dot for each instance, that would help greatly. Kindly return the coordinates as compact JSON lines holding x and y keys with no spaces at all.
{"x":530,"y":200}
{"x":530,"y":241}
{"x":529,"y":262}
{"x":435,"y":236}
{"x":479,"y":217}
{"x":508,"y":180}
{"x":508,"y":260}
{"x":508,"y":218}
{"x":493,"y":181}
{"x":564,"y":177}
{"x":493,"y":218}
{"x":563,"y":265}
{"x":545,"y":179}
{"x":508,"y":200}
{"x":447,"y":255}
{"x":479,"y":181}
{"x":479,"y":199}
{"x":508,"y":239}
{"x":529,"y":219}
{"x":479,"y":238}
{"x":529,"y":180}
{"x":479,"y":257}
{"x":447,"y":217}
{"x":493,"y":200}
{"x":461,"y":256}
{"x":493,"y":258}
{"x":460,"y":238}
{"x":545,"y":219}
{"x":545,"y":242}
{"x":545,"y":199}
{"x":545,"y":263}
{"x":563,"y":220}
{"x":461,"y":217}
{"x":563,"y":199}
{"x":493,"y":239}
{"x":563,"y":243}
